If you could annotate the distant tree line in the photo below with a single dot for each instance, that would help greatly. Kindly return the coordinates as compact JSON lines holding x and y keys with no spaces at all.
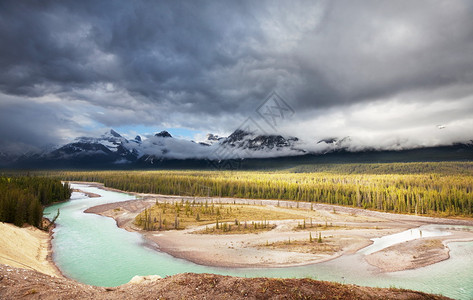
{"x":22,"y":198}
{"x":438,"y":189}
{"x":444,"y":168}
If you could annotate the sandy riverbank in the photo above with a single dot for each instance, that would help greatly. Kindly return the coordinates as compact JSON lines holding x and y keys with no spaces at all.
{"x":352,"y":229}
{"x":27,"y":248}
{"x":90,"y":195}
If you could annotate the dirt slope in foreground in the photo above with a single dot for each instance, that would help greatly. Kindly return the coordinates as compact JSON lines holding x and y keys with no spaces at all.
{"x":26,"y":247}
{"x":25,"y":284}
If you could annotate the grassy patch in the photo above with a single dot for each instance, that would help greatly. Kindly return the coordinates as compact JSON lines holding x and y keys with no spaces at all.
{"x":238,"y":228}
{"x":181,"y":215}
{"x":310,"y":223}
{"x":314,"y":245}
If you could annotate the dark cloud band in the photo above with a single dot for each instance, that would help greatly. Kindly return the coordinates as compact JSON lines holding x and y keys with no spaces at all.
{"x":201,"y":64}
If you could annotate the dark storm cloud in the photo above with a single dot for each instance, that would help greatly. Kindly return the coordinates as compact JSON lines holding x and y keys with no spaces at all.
{"x":207,"y":65}
{"x":27,"y":126}
{"x":374,"y":49}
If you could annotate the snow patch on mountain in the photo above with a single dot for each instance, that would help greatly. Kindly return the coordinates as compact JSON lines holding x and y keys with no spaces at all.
{"x":112,"y":148}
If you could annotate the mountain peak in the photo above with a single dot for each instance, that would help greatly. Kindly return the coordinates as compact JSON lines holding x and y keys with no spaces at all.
{"x":164,"y":134}
{"x":330,"y":140}
{"x":114,"y":133}
{"x":212,"y":137}
{"x":247,"y":140}
{"x":237,"y":135}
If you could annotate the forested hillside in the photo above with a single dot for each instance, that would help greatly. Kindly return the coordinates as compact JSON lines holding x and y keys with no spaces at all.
{"x":22,"y":198}
{"x":438,"y":189}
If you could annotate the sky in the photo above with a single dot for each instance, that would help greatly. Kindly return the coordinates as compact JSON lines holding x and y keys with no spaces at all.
{"x":388,"y":74}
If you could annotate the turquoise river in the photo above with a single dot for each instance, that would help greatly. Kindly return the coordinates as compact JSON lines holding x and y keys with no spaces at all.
{"x":93,"y":250}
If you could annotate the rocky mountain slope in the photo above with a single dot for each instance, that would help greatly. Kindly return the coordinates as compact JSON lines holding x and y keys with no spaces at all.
{"x":112,"y":150}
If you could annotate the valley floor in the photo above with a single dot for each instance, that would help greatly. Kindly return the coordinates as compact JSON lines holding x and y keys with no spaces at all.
{"x":344,"y":230}
{"x":25,"y":264}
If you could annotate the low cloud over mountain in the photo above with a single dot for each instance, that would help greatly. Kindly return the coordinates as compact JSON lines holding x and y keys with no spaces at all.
{"x":112,"y":150}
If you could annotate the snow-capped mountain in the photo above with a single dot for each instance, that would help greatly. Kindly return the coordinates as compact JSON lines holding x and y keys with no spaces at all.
{"x":163,"y":134}
{"x":334,"y":144}
{"x":110,"y":146}
{"x":112,"y":149}
{"x":111,"y":139}
{"x":248,"y":140}
{"x":211,"y":139}
{"x":238,"y":145}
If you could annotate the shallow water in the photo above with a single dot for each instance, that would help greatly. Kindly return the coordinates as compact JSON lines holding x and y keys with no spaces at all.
{"x":408,"y":235}
{"x":93,"y":250}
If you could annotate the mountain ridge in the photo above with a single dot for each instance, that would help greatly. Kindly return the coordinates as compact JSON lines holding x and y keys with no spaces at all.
{"x":112,"y":150}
